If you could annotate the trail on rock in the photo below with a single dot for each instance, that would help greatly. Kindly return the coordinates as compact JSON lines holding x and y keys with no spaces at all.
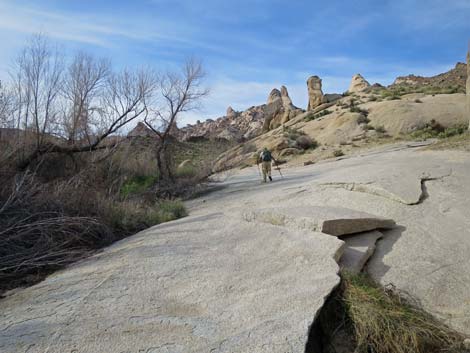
{"x":251,"y":266}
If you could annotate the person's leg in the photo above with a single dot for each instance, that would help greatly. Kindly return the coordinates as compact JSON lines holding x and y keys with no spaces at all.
{"x":265,"y":171}
{"x":269,"y":170}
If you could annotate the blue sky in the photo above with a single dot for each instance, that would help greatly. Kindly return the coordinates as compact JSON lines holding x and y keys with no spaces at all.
{"x":249,"y":47}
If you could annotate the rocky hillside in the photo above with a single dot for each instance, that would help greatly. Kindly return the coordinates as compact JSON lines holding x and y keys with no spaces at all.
{"x":256,"y":120}
{"x":240,"y":126}
{"x":412,"y":105}
{"x":454,"y":78}
{"x":279,"y":109}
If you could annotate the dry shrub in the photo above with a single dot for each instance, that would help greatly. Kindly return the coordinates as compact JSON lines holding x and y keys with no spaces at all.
{"x":38,"y":235}
{"x":384,"y":322}
{"x":305,"y":142}
{"x":44,"y":226}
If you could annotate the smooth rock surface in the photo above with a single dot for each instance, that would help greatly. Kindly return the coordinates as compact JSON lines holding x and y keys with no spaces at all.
{"x":425,"y":192}
{"x":214,"y":281}
{"x":358,"y":249}
{"x":329,"y":220}
{"x":200,"y":284}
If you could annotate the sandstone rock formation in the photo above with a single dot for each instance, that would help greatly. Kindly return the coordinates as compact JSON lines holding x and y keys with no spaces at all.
{"x":286,"y":101}
{"x":279,"y":109}
{"x":358,"y":84}
{"x":274,"y":95}
{"x":231,"y":114}
{"x":240,"y":126}
{"x":315,"y":93}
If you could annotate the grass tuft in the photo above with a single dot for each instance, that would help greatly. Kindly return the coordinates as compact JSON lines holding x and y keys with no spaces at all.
{"x":384,"y":322}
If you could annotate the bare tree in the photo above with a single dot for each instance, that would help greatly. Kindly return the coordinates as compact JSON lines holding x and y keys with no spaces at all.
{"x":180,"y":92}
{"x":39,"y":74}
{"x":83,"y":85}
{"x":76,"y":109}
{"x":6,"y":105}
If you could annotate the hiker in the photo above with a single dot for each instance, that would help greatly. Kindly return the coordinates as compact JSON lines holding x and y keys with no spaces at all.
{"x":266,"y":159}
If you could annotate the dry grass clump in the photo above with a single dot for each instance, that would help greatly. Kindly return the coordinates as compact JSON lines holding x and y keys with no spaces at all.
{"x":383,"y":322}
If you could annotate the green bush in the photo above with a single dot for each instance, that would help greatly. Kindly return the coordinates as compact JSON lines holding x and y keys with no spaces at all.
{"x":292,"y":134}
{"x":311,"y":117}
{"x":129,"y":217}
{"x":453,"y":131}
{"x":187,"y":171}
{"x":435,"y":130}
{"x":355,"y":109}
{"x":137,"y":185}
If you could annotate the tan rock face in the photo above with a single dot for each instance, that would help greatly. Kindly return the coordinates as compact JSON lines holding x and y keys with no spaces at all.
{"x":286,"y":101}
{"x":315,"y":94}
{"x":274,"y":95}
{"x":358,"y":84}
{"x":231,"y":114}
{"x":279,"y":109}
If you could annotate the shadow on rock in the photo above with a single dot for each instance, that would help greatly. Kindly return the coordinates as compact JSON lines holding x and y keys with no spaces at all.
{"x":376,"y":266}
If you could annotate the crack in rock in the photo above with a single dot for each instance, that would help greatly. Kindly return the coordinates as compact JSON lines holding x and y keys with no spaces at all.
{"x":372,"y":189}
{"x":367,"y":188}
{"x":424,"y":191}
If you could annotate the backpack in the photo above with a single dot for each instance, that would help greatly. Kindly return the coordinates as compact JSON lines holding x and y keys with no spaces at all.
{"x":266,"y":156}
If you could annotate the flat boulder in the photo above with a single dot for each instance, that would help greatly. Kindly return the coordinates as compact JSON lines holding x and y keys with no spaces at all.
{"x":330,"y":220}
{"x":207,"y":283}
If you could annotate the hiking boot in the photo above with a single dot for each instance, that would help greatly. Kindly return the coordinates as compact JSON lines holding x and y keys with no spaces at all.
{"x":270,"y":179}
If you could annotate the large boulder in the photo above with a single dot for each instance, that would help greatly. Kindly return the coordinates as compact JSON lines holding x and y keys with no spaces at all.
{"x":209,"y":283}
{"x":315,"y":93}
{"x":358,"y":84}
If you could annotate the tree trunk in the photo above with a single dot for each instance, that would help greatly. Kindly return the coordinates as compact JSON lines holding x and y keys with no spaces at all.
{"x":164,"y":167}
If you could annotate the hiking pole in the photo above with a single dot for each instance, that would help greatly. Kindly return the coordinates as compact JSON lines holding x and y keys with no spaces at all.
{"x":259,"y":171}
{"x":279,"y":170}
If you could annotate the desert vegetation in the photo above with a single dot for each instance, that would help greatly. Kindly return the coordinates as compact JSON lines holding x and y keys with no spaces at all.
{"x":367,"y":317}
{"x":71,"y":181}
